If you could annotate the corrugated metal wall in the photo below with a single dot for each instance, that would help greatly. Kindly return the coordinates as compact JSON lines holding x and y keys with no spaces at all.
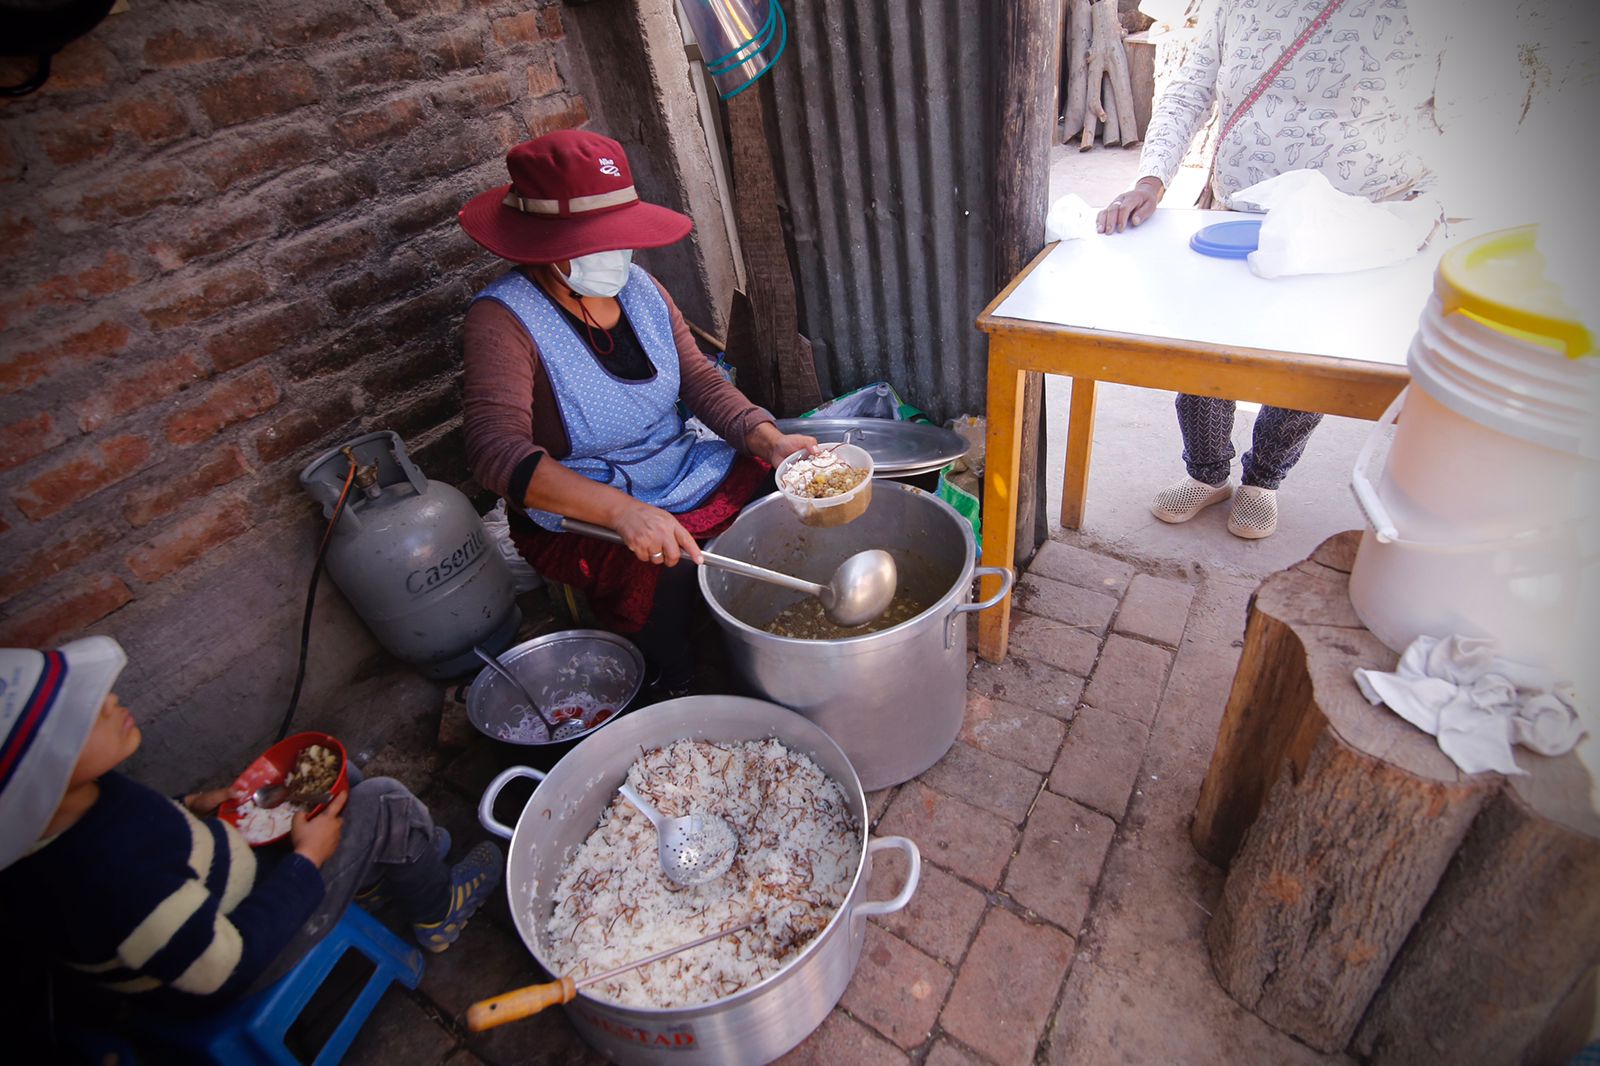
{"x":885,"y":115}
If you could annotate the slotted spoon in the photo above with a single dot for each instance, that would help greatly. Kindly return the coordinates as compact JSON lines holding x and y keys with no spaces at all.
{"x":694,"y":849}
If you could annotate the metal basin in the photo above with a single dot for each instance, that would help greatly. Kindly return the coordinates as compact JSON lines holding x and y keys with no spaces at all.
{"x":556,"y":669}
{"x":757,"y":1024}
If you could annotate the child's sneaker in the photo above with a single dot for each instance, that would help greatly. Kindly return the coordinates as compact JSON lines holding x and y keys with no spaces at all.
{"x":1255,"y":512}
{"x":373,"y":897}
{"x":472,"y":881}
{"x":1184,"y":499}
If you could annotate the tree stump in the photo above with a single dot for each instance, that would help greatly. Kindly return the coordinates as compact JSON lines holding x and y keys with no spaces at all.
{"x":1510,"y":932}
{"x":1345,"y":827}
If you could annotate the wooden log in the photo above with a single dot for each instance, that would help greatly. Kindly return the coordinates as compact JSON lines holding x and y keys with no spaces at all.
{"x":769,"y":283}
{"x":1273,"y":711}
{"x":1142,"y":77}
{"x":755,"y":369}
{"x":1117,"y":77}
{"x":1076,"y":61}
{"x":1028,"y":29}
{"x":1094,"y":113}
{"x":1450,"y":916}
{"x":1513,"y":928}
{"x":1111,"y":131}
{"x":1574,"y":1024}
{"x":1329,"y":882}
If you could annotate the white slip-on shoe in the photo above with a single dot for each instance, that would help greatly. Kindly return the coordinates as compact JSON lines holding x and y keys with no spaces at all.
{"x":1182,"y":500}
{"x":1255,"y":512}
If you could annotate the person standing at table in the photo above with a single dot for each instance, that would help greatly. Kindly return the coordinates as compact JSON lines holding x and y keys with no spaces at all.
{"x":1329,"y":85}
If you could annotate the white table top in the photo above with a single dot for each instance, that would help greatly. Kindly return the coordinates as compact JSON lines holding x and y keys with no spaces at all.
{"x":1148,"y":281}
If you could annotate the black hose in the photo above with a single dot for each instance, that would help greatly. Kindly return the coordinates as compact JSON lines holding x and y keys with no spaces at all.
{"x":311,"y":599}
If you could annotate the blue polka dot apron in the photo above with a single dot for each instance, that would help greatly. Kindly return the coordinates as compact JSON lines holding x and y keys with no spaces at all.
{"x":626,"y":434}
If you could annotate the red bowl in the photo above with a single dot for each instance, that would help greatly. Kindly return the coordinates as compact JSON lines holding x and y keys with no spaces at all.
{"x":273,"y":766}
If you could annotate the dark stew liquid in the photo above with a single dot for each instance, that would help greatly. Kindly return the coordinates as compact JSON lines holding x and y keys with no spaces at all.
{"x":806,"y":620}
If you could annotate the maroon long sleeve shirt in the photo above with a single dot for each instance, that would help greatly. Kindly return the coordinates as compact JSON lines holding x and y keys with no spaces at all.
{"x":512,"y":413}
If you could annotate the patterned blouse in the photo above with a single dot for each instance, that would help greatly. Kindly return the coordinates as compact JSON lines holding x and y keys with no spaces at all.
{"x":1348,"y":104}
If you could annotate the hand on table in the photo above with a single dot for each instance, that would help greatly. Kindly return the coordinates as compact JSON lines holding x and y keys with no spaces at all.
{"x":1131,"y":208}
{"x":317,"y":838}
{"x":655,"y":536}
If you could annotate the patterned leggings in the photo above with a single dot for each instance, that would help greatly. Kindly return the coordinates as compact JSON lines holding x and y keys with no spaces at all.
{"x":1276,"y":442}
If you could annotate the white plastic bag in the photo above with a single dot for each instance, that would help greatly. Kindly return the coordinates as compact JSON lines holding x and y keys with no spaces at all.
{"x":524,"y":578}
{"x":1313,"y":228}
{"x":1069,"y":218}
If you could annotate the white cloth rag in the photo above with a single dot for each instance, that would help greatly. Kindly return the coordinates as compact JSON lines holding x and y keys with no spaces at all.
{"x":1313,"y":228}
{"x":1475,"y":703}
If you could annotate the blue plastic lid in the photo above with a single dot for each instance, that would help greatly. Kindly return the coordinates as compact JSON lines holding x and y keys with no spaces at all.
{"x":1228,"y":240}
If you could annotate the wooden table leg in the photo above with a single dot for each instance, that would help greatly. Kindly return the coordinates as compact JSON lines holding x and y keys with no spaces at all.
{"x":1002,"y":459}
{"x":1080,"y":441}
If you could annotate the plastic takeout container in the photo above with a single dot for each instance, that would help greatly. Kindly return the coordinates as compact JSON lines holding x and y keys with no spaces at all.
{"x":831,"y":510}
{"x":273,"y":766}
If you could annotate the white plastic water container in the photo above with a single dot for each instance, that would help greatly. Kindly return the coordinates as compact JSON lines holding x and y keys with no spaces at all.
{"x":1484,"y":521}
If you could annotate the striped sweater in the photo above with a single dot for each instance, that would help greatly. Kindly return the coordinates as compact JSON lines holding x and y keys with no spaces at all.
{"x":140,"y":896}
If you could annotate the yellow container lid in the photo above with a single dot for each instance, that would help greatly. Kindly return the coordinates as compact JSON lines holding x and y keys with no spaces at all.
{"x":1499,"y":279}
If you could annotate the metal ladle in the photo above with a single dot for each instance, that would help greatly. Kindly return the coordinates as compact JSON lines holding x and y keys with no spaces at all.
{"x":694,"y":849}
{"x":859,"y":591}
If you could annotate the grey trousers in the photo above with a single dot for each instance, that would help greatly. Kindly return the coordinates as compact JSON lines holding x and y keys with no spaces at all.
{"x":388,"y":834}
{"x":1277,"y":440}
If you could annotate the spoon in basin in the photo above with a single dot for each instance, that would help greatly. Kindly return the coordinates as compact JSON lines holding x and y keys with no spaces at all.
{"x":694,"y":849}
{"x":517,"y":686}
{"x":859,"y":591}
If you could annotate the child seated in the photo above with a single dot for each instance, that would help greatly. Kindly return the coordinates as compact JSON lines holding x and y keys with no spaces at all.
{"x":143,"y":895}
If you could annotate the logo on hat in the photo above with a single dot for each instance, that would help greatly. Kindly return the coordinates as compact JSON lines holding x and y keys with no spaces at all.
{"x":609,"y":166}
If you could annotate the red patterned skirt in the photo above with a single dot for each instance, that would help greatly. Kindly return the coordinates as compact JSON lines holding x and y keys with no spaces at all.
{"x":620,"y":588}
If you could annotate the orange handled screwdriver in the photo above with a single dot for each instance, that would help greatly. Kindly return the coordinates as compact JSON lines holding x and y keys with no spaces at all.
{"x":530,"y":1000}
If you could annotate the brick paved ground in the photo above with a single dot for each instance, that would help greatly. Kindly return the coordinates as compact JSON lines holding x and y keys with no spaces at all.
{"x":1061,"y":908}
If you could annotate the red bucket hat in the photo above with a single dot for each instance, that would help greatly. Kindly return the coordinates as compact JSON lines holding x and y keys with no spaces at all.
{"x":571,"y":194}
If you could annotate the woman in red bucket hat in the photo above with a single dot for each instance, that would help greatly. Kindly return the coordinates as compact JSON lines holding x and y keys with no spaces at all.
{"x":575,"y":361}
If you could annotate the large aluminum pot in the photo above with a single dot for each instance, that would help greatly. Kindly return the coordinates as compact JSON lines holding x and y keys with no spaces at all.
{"x":894,"y":699}
{"x":757,"y":1024}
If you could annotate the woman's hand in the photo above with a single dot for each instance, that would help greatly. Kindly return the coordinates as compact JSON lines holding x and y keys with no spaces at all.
{"x":206,"y":803}
{"x":1131,"y":208}
{"x":774,"y":446}
{"x":655,"y":536}
{"x":318,"y":838}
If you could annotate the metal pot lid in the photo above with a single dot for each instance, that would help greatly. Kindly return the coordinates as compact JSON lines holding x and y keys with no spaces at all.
{"x":899,"y":449}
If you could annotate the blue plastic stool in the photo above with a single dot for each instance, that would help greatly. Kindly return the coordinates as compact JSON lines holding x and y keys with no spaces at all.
{"x":253,"y":1031}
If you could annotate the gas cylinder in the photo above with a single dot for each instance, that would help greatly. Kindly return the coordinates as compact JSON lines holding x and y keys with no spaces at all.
{"x":412,"y":557}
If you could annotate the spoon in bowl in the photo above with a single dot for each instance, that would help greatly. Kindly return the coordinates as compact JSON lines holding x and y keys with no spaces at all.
{"x":269,"y":796}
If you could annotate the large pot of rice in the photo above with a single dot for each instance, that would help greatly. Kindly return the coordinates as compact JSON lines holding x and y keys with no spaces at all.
{"x":718,"y":1013}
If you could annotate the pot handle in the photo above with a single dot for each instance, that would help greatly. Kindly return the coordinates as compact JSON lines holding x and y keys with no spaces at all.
{"x":873,"y":908}
{"x":486,"y":816}
{"x":1007,"y":579}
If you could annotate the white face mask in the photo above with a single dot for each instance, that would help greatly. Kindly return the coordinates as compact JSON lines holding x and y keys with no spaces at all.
{"x":600,"y":274}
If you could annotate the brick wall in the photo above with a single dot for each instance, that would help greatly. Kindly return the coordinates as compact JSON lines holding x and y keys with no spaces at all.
{"x":230,"y":242}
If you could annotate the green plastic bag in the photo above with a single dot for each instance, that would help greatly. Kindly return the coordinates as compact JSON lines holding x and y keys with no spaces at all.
{"x":966,"y":504}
